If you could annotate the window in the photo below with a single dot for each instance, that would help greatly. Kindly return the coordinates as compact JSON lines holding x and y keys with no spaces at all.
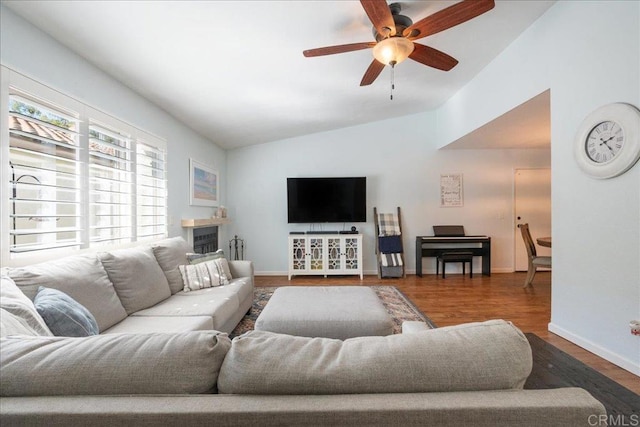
{"x":77,"y":178}
{"x":45,"y":192}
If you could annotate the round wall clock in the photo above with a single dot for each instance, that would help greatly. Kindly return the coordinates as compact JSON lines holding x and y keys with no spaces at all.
{"x":608,"y":140}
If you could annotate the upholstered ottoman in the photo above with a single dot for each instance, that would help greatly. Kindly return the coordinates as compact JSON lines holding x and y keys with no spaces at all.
{"x":325,"y":311}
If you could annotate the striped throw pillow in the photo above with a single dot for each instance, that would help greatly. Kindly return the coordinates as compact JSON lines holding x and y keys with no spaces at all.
{"x":203,"y":275}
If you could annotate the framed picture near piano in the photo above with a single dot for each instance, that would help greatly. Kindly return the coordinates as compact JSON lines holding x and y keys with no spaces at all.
{"x":451,"y":194}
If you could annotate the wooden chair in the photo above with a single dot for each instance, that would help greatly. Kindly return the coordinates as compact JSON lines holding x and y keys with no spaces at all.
{"x":535,"y":261}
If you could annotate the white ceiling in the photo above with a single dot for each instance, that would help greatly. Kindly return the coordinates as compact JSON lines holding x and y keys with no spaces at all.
{"x":234,"y":70}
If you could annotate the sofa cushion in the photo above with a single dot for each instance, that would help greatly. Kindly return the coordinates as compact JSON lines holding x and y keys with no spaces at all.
{"x":83,"y":278}
{"x":11,"y":324}
{"x":64,"y":316}
{"x":13,"y":301}
{"x":184,"y":363}
{"x":136,"y":276}
{"x":476,"y":356}
{"x":241,"y":287}
{"x":165,"y":324}
{"x":203,"y":275}
{"x":220,"y":306}
{"x":170,"y":253}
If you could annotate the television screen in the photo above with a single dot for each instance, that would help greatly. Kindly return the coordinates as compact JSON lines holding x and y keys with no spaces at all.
{"x":326,"y":199}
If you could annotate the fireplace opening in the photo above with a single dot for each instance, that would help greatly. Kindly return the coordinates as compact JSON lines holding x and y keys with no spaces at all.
{"x":205,"y":239}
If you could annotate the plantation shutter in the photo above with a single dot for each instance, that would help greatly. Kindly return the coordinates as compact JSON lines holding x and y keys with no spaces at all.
{"x":111,"y":183}
{"x":77,"y":178}
{"x":151,"y":191}
{"x":44,"y":166}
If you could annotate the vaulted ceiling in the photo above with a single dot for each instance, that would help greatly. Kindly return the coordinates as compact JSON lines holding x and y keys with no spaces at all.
{"x":234,"y":70}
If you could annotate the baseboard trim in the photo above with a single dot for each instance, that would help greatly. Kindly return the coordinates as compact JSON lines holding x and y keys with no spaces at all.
{"x":375,"y":272}
{"x":594,"y":348}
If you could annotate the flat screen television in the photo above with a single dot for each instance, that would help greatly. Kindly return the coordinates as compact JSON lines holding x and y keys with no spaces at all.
{"x":312,"y":200}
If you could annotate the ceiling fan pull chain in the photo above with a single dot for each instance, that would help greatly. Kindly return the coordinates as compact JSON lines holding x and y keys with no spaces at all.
{"x":393,"y":86}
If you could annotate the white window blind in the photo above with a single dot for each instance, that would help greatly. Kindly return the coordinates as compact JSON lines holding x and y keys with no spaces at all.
{"x":111,"y":182}
{"x":78,"y":178}
{"x":43,"y":159}
{"x":151,"y":190}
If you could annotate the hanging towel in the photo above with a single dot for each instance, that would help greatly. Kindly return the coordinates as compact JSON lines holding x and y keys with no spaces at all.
{"x":390,"y":244}
{"x":388,"y":225}
{"x":391,"y":260}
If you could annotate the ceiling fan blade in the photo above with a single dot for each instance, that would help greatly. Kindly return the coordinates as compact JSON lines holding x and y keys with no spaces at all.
{"x":330,"y":50}
{"x":372,"y":73}
{"x":447,"y":18}
{"x":380,"y":16}
{"x":432,"y":57}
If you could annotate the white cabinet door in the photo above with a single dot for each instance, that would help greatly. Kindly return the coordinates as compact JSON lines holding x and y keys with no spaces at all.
{"x":325,"y":254}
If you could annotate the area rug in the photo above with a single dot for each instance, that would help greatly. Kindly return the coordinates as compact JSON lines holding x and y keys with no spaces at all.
{"x":553,"y":368}
{"x":399,"y":307}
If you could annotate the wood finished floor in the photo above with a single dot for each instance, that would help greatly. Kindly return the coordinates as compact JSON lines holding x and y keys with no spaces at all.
{"x":459,"y":299}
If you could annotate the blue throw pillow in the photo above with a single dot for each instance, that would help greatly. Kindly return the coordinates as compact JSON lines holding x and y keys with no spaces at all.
{"x":63,"y":315}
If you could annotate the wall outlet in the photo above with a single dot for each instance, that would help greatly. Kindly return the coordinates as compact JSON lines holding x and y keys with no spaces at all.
{"x":635,"y":327}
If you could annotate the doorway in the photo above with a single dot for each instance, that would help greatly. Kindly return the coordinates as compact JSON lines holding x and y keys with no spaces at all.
{"x":532,"y":205}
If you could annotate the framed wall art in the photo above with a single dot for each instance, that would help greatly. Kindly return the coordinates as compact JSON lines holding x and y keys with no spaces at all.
{"x":204,"y":184}
{"x":451,"y":190}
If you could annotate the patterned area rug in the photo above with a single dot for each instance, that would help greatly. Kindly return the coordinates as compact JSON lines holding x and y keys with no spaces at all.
{"x":399,"y":307}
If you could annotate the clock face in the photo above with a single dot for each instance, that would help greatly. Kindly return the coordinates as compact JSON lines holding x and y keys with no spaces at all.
{"x":604,"y":142}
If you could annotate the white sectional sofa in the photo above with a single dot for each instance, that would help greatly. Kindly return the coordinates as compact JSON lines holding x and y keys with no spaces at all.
{"x":162,"y":357}
{"x":141,"y":290}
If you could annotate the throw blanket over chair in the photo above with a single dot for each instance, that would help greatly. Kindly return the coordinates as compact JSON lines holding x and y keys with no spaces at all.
{"x":389,"y":244}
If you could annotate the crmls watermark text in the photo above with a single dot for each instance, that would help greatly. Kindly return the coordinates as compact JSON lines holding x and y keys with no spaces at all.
{"x":632,"y":420}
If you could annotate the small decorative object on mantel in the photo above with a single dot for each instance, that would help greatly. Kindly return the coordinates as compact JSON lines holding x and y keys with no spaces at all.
{"x":608,"y":141}
{"x":451,"y":190}
{"x":221,"y":212}
{"x":204,"y":184}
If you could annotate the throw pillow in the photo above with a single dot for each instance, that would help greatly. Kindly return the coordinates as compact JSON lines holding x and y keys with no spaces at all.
{"x":137,"y":277}
{"x":82,"y":277}
{"x":123,"y":364}
{"x":63,"y":315}
{"x":170,"y":253}
{"x":11,"y":324}
{"x":204,"y":275}
{"x":198,"y":258}
{"x":223,"y":265}
{"x":15,"y":302}
{"x":217,"y":255}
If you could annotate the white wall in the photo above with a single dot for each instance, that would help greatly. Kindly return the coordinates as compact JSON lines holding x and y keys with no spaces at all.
{"x":588,"y":53}
{"x":402,"y":166}
{"x":31,"y":52}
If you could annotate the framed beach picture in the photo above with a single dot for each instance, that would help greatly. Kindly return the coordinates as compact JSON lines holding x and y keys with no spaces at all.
{"x":204,"y":183}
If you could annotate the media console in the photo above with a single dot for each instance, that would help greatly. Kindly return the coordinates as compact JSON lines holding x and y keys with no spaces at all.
{"x":325,"y":254}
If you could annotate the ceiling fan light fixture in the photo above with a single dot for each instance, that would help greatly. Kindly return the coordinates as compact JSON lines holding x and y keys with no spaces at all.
{"x":393,"y":50}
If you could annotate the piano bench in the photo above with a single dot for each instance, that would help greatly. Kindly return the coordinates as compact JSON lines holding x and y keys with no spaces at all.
{"x":459,"y":256}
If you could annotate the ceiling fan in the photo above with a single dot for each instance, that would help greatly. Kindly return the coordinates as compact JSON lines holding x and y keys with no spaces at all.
{"x":395,"y":35}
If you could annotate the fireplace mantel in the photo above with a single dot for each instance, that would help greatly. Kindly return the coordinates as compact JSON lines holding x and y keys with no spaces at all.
{"x":204,"y":222}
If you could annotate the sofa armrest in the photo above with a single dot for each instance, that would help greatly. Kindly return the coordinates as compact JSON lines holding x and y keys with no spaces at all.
{"x":241,"y":269}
